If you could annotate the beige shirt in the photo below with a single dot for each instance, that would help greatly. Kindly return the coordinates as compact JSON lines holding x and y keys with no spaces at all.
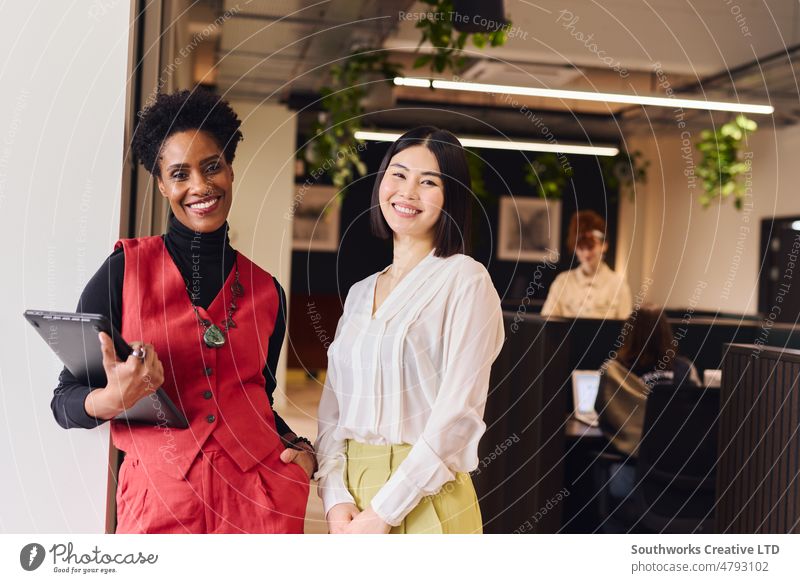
{"x":577,"y":295}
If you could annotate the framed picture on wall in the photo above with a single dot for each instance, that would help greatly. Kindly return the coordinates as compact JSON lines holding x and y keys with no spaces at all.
{"x":316,"y":219}
{"x":528,"y":229}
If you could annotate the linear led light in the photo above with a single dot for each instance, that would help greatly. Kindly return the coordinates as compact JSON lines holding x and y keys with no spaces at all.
{"x":505,"y":144}
{"x":412,"y":82}
{"x":673,"y":102}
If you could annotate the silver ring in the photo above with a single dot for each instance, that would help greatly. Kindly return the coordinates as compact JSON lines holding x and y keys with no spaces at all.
{"x":139,"y":352}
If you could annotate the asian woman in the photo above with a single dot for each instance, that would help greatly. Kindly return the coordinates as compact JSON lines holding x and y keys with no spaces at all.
{"x":408,"y":372}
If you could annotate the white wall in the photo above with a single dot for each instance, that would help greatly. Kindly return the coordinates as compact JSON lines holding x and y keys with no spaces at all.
{"x":709,"y":256}
{"x":263,"y":189}
{"x":62,"y":73}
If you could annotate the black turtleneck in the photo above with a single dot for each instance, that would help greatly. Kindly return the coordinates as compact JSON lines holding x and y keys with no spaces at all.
{"x":204,"y":260}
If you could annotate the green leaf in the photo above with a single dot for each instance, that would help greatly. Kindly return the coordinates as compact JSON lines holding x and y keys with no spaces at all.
{"x":422,"y":60}
{"x":746,"y":124}
{"x":499,"y":37}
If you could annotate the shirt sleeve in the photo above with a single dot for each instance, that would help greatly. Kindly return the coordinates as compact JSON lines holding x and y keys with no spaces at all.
{"x":330,"y":449}
{"x":473,"y":336}
{"x":273,"y":355}
{"x":551,"y":305}
{"x":102,"y":295}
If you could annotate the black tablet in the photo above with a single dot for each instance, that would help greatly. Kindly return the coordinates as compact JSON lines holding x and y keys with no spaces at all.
{"x":73,"y":337}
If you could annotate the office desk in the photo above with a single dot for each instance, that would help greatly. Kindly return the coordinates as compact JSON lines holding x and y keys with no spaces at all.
{"x":574,"y":430}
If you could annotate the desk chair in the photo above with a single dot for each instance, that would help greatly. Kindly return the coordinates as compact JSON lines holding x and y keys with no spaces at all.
{"x":674,"y":486}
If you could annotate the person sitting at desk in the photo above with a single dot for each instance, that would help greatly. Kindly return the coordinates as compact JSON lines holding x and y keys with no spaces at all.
{"x":648,"y":356}
{"x":592,"y":290}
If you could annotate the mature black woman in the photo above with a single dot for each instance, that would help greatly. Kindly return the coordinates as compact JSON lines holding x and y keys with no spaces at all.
{"x":207,"y":324}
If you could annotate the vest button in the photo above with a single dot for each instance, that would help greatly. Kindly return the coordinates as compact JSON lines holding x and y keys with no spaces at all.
{"x":208,"y":371}
{"x":211,"y":419}
{"x":207,"y":394}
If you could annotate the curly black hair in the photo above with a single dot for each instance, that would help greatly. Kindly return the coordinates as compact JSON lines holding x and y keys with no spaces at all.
{"x":182,"y":111}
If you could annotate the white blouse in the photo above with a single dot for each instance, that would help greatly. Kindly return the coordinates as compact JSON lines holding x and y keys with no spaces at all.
{"x":416,"y":373}
{"x":577,"y":295}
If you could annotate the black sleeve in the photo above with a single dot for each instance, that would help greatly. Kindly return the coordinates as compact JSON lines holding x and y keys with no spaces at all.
{"x":273,"y":353}
{"x":102,"y":295}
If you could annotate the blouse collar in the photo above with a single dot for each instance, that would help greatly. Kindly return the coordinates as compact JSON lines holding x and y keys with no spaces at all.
{"x":424,"y":275}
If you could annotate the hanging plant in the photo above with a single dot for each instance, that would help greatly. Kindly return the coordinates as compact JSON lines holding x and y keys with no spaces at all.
{"x":335,"y":148}
{"x":447,"y":42}
{"x":622,"y":171}
{"x":482,"y":199}
{"x":476,"y":167}
{"x":722,"y":166}
{"x":548,"y":175}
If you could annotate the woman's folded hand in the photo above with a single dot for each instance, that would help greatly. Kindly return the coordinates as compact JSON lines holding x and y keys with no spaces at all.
{"x":340,"y":516}
{"x":367,"y":522}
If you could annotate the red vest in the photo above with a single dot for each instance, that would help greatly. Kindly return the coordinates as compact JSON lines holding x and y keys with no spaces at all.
{"x":220,"y":390}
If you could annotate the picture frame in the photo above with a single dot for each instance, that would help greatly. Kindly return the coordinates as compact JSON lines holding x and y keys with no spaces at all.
{"x":529,"y":229}
{"x":317,"y":218}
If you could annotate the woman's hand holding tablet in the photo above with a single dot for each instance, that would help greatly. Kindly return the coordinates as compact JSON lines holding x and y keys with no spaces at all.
{"x":128,"y":381}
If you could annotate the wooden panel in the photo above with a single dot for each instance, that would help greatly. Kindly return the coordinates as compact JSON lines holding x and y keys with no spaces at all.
{"x":517,"y":481}
{"x":759,"y":442}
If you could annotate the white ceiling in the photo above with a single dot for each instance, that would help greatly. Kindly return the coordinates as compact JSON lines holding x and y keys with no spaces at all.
{"x":693,"y":38}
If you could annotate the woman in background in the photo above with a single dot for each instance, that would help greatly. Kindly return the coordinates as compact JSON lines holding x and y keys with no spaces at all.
{"x":408,"y":372}
{"x":592,"y":290}
{"x":648,"y":356}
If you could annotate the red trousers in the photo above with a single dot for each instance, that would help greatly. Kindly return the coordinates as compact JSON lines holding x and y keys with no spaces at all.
{"x":214,"y":497}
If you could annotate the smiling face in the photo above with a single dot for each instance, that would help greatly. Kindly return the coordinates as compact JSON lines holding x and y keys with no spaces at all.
{"x":590,"y":251}
{"x":196,"y":180}
{"x":411,"y":193}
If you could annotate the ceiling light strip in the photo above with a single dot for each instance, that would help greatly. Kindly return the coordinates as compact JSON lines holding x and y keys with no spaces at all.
{"x":469,"y":142}
{"x":672,"y":102}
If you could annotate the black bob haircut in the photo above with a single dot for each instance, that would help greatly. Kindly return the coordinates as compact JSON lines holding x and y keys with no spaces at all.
{"x":169,"y":114}
{"x":452,"y":230}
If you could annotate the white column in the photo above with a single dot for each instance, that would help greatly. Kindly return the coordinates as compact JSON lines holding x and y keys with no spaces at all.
{"x":263,"y":190}
{"x":63,"y":71}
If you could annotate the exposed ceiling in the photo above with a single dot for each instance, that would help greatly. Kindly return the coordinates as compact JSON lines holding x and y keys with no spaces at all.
{"x":282,"y":50}
{"x":695,"y":38}
{"x":276,"y":48}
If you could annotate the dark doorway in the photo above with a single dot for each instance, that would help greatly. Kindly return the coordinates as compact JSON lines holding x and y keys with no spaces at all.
{"x":779,"y":277}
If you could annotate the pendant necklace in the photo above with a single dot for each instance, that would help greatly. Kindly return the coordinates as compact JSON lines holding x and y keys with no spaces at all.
{"x":213,"y":336}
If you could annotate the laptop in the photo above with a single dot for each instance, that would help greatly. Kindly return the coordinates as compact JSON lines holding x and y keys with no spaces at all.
{"x":585,"y":384}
